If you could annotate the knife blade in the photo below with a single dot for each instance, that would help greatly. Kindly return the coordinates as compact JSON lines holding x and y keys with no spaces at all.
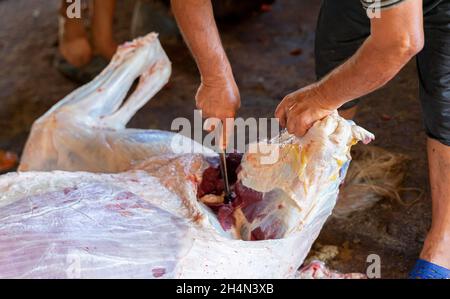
{"x":223,"y":169}
{"x":223,"y":166}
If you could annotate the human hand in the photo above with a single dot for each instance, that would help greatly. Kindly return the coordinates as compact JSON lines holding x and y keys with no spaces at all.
{"x":219,"y":101}
{"x":218,"y":98}
{"x":301,"y":109}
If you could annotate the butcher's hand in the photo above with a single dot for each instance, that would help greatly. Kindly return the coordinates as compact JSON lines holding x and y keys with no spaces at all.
{"x":301,"y":109}
{"x":218,"y":95}
{"x":219,"y":99}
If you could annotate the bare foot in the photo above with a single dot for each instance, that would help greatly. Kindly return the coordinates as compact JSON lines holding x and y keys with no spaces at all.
{"x":436,"y":250}
{"x":73,"y":42}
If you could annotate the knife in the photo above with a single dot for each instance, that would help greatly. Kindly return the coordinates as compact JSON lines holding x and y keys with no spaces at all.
{"x":223,"y":169}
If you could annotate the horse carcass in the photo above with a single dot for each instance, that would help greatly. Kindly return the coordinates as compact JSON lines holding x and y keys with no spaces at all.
{"x":96,"y":200}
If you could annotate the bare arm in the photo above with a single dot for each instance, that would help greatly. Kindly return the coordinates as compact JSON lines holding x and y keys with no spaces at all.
{"x":196,"y":21}
{"x":218,"y":95}
{"x":395,"y":38}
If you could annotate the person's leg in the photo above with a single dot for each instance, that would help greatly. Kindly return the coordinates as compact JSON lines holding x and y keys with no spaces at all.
{"x":437,"y":244}
{"x":434,"y":74}
{"x":341,"y":29}
{"x":102,"y":28}
{"x":73,"y":41}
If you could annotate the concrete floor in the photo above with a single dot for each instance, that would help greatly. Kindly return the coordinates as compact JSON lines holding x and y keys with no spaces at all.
{"x":259,"y":49}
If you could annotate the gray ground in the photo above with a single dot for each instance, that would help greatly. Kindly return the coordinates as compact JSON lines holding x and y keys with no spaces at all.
{"x":259,"y":48}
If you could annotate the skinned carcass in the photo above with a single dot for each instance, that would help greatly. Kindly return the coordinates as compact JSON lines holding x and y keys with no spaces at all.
{"x":96,"y":200}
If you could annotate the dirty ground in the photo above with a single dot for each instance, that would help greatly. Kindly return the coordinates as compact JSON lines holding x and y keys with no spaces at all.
{"x":272,"y":55}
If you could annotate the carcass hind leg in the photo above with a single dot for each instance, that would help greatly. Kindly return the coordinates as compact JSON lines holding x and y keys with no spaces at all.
{"x":104,"y":95}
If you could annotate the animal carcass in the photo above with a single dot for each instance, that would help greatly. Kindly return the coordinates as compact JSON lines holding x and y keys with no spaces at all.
{"x":96,"y":200}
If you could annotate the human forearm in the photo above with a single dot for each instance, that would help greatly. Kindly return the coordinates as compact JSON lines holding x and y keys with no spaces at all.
{"x":196,"y":21}
{"x":218,"y":94}
{"x":395,"y":38}
{"x":369,"y":69}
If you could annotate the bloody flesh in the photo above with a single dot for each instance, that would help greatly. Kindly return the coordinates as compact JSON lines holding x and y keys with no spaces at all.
{"x":243,"y":197}
{"x":212,"y":181}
